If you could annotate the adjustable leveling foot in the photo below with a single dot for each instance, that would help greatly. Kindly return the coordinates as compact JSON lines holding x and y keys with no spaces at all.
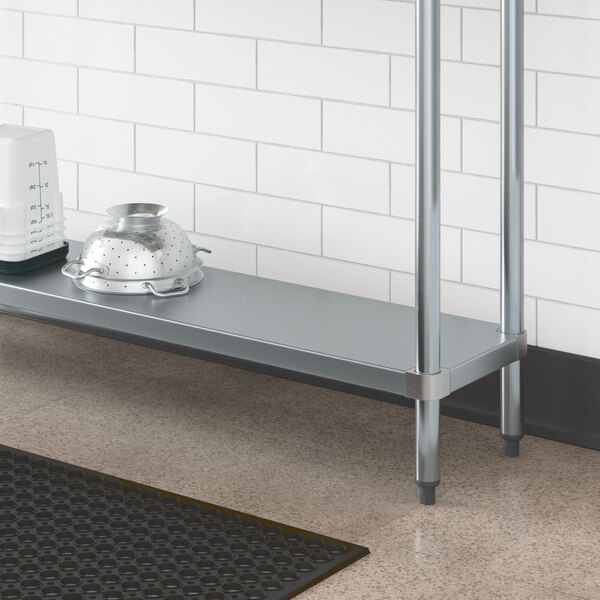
{"x":511,"y":445}
{"x":427,"y":492}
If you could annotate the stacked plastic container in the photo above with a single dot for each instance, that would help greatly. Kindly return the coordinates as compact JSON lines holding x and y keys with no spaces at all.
{"x":31,"y":209}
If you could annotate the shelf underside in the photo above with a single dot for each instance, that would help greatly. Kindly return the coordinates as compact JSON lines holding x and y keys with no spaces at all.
{"x":268,"y":323}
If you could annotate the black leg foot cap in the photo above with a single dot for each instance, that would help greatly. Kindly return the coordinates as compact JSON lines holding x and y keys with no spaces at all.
{"x":511,"y":448}
{"x":427,"y":495}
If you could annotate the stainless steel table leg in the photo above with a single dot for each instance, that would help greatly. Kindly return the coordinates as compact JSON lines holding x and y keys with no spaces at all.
{"x":511,"y":413}
{"x":512,"y":284}
{"x":427,"y":247}
{"x":428,"y":448}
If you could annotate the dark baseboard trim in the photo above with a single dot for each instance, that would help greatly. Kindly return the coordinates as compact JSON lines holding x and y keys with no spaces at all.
{"x":560,"y":391}
{"x":561,"y":398}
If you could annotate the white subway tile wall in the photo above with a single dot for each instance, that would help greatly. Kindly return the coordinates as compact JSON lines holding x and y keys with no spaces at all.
{"x":125,"y":97}
{"x":195,"y":56}
{"x":38,"y":84}
{"x":281,"y":134}
{"x":162,"y":13}
{"x":262,"y":116}
{"x":57,"y":7}
{"x":101,"y":188}
{"x":68,"y":177}
{"x":79,"y":41}
{"x":11,"y":34}
{"x":87,"y":139}
{"x":11,"y":114}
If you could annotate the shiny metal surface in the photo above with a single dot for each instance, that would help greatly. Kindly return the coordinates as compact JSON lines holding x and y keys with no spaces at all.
{"x":137,"y":215}
{"x":511,"y":320}
{"x":427,"y":253}
{"x":72,"y":270}
{"x":181,"y":288}
{"x":427,"y":236}
{"x":511,"y":411}
{"x":420,"y":386}
{"x":260,"y":322}
{"x":428,"y":441}
{"x":512,"y":279}
{"x":135,"y":247}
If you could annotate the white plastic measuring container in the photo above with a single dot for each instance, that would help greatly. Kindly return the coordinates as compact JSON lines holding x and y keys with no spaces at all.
{"x":25,"y":251}
{"x":31,"y":211}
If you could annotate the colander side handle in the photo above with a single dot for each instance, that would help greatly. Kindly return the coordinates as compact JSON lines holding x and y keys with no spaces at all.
{"x":200,"y":249}
{"x":183,"y":288}
{"x":65,"y":270}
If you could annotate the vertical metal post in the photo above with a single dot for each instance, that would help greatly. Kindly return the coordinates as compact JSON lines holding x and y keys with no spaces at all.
{"x":427,"y":239}
{"x":512,"y":283}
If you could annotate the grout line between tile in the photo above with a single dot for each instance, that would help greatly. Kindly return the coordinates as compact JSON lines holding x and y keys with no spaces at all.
{"x":322,"y":22}
{"x":461,"y":34}
{"x":346,"y":102}
{"x":256,"y":65}
{"x":390,"y":81}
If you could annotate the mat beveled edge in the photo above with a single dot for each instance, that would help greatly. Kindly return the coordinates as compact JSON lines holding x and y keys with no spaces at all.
{"x":355,"y":551}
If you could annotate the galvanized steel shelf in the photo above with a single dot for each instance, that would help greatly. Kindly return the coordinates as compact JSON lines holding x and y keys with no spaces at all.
{"x":260,"y":321}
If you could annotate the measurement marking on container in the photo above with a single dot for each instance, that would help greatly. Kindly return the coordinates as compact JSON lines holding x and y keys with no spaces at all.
{"x":40,"y":207}
{"x":40,"y":186}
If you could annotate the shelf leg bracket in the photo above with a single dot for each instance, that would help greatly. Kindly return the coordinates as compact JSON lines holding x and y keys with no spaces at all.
{"x":426,"y":387}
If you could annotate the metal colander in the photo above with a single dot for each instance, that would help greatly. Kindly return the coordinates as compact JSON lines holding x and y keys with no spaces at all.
{"x":137,"y":252}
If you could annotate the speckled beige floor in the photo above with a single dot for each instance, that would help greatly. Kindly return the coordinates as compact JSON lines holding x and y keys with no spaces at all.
{"x":314,"y":458}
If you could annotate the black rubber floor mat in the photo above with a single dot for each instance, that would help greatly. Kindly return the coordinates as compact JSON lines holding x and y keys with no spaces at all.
{"x":74,"y":534}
